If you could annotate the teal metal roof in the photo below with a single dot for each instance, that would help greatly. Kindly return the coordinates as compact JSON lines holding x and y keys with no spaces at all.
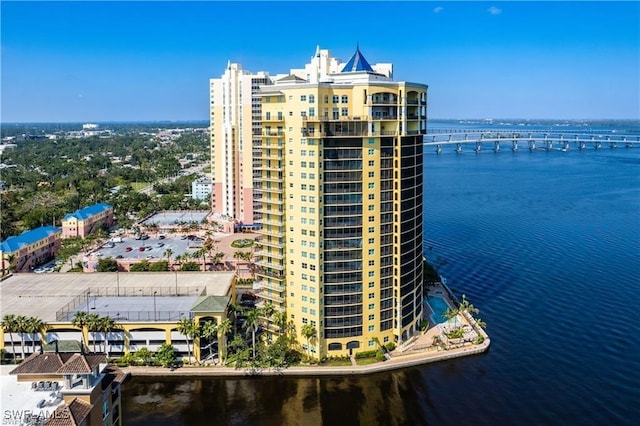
{"x":15,"y":243}
{"x":87,"y":212}
{"x":357,"y":63}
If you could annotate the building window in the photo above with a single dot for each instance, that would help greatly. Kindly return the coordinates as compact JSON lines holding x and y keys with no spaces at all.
{"x":303,"y":98}
{"x":372,"y":262}
{"x":312,"y":99}
{"x":371,"y":185}
{"x":372,"y":163}
{"x":372,"y":306}
{"x":345,"y":99}
{"x":372,"y":196}
{"x":344,"y":112}
{"x":371,"y":207}
{"x":336,"y":99}
{"x":312,"y":112}
{"x":372,"y":218}
{"x":372,"y":295}
{"x":372,"y":327}
{"x":372,"y":274}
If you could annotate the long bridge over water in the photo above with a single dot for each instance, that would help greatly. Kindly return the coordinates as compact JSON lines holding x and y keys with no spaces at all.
{"x":494,"y":140}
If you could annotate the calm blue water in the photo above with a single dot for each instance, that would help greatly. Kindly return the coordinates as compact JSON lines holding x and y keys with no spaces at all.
{"x":547,"y":246}
{"x":438,"y":306}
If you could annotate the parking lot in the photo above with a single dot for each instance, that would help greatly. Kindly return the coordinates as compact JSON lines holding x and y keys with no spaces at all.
{"x":150,"y":248}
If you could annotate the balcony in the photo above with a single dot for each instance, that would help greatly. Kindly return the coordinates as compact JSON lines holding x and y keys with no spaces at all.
{"x":264,"y":209}
{"x":269,"y":265}
{"x":258,"y":285}
{"x":270,"y":254}
{"x":336,"y":118}
{"x":278,"y":190}
{"x":272,"y":133}
{"x":272,"y":232}
{"x":269,"y":296}
{"x":267,"y":243}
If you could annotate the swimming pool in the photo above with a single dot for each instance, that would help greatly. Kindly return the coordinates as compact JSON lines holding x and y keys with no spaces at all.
{"x":438,"y":306}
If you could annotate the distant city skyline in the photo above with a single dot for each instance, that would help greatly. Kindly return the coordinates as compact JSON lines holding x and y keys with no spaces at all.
{"x":151,"y":61}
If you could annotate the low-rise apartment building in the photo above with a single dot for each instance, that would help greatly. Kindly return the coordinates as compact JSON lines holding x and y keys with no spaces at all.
{"x":22,"y":253}
{"x":87,"y":220}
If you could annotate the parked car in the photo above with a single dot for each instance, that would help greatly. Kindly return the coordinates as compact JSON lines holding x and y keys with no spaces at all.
{"x":141,"y":248}
{"x":119,"y":256}
{"x":161,"y":237}
{"x":128,"y":249}
{"x":160,"y":244}
{"x":144,"y":237}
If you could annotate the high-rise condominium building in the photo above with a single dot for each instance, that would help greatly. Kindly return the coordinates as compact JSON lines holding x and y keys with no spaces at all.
{"x":339,"y":187}
{"x":235,"y":128}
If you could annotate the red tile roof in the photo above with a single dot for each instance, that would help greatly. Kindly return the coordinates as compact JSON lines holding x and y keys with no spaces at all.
{"x":72,"y":414}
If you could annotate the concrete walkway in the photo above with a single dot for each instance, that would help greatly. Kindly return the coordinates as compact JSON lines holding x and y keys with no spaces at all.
{"x":395,"y":363}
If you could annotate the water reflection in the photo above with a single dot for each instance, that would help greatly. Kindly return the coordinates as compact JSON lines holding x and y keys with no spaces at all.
{"x":378,"y":399}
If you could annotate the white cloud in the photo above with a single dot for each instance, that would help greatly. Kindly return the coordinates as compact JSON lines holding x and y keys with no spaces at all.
{"x":494,"y":10}
{"x":438,"y":9}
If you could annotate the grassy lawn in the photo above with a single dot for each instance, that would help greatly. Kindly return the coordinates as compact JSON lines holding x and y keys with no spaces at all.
{"x":336,"y":363}
{"x":366,"y":361}
{"x":137,"y":186}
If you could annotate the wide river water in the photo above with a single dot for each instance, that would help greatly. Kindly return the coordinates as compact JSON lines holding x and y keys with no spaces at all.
{"x":547,"y":246}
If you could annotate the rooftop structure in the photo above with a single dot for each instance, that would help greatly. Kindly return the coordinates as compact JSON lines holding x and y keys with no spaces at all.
{"x":52,"y":388}
{"x":145,"y":307}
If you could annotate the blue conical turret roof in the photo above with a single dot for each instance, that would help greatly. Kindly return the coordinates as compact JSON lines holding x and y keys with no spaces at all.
{"x":357,"y":63}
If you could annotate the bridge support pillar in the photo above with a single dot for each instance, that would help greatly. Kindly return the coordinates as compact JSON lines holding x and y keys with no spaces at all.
{"x":549,"y":145}
{"x":438,"y":149}
{"x":478,"y":147}
{"x":459,"y":148}
{"x":565,"y":146}
{"x":598,"y":145}
{"x":514,"y":147}
{"x":532,"y":145}
{"x":496,"y":146}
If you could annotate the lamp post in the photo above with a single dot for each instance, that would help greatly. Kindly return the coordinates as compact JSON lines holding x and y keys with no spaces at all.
{"x":154,"y":306}
{"x":88,"y":294}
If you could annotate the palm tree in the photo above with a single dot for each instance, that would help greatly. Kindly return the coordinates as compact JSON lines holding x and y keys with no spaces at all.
{"x":105,"y":326}
{"x":466,"y":306}
{"x":80,"y":320}
{"x":8,"y":324}
{"x":190,"y":329}
{"x":35,"y":326}
{"x":235,"y":309}
{"x":168,"y":252}
{"x":481,"y":323}
{"x":308,"y":332}
{"x":280,"y":319}
{"x":253,"y":316}
{"x":93,"y":321}
{"x":223,"y":329}
{"x":209,"y":332}
{"x":451,"y":314}
{"x":21,"y":328}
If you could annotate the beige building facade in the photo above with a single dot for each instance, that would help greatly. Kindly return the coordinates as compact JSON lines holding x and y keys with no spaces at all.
{"x":340,"y":190}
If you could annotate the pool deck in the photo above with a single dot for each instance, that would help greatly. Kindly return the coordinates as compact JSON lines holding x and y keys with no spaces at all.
{"x":417,"y":351}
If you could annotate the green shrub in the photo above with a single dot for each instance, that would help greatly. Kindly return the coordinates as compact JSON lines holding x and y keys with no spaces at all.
{"x":390,"y":346}
{"x":366,"y":354}
{"x":479,"y":339}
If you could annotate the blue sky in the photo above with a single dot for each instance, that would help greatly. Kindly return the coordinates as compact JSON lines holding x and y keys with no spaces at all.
{"x":126,"y":61}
